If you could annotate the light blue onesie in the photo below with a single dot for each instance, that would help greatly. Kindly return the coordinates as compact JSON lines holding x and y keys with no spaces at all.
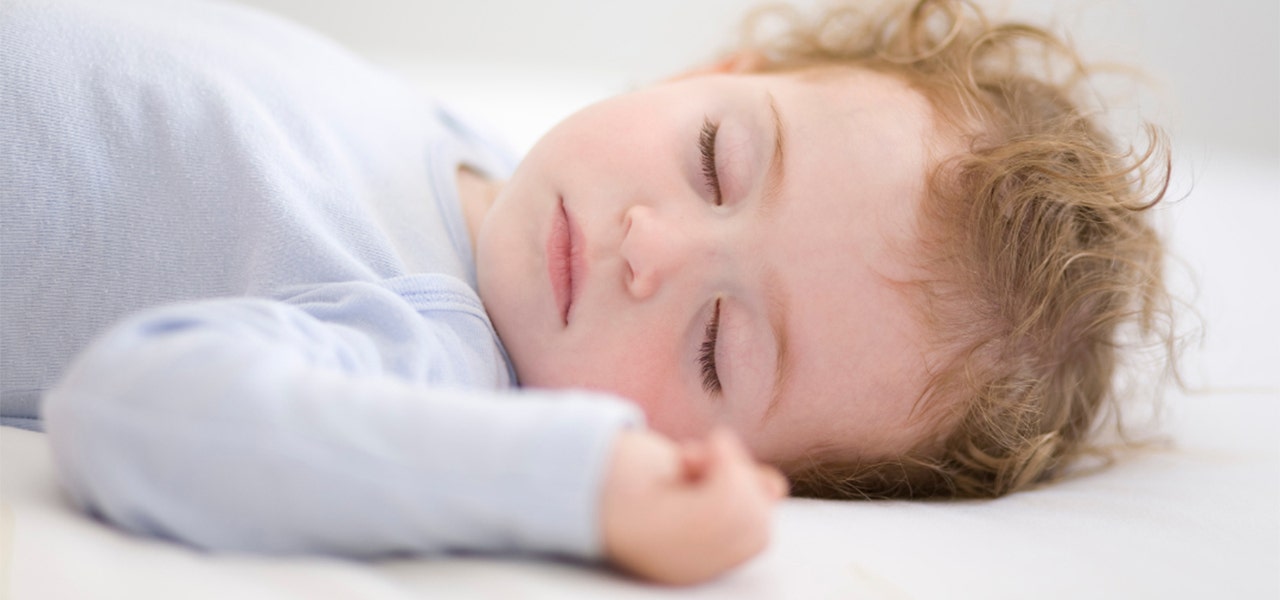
{"x":320,"y":375}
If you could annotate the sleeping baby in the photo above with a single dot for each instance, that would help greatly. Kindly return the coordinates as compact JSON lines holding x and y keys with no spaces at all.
{"x":264,"y":297}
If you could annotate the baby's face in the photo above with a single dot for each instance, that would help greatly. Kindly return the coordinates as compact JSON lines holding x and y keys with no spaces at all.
{"x":750,"y":288}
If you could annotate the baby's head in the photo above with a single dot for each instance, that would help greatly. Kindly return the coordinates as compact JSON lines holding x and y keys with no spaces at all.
{"x":888,"y":255}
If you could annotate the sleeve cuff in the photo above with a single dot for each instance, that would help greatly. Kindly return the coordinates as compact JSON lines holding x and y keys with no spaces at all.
{"x":568,"y":461}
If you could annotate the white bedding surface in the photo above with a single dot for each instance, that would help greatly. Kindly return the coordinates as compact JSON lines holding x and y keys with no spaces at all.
{"x":1200,"y":519}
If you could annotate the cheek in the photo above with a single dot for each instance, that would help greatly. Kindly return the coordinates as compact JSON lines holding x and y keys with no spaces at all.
{"x":505,"y":274}
{"x":647,"y":374}
{"x":677,"y":417}
{"x":670,"y":407}
{"x":627,"y":136}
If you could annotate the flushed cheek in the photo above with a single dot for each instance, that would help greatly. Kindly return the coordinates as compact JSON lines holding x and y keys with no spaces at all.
{"x":670,"y":408}
{"x":677,"y":416}
{"x":653,"y":383}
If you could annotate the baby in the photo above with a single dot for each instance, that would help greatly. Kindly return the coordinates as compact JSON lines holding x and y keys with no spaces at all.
{"x":264,"y":298}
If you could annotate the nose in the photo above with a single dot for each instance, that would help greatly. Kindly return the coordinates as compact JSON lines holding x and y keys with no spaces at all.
{"x":655,"y":248}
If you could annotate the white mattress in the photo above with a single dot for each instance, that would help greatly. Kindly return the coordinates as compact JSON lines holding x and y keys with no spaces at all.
{"x":1198,"y":519}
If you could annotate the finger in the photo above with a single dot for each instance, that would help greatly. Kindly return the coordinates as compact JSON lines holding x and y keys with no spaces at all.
{"x":773,"y":482}
{"x":694,"y":458}
{"x":735,"y":494}
{"x":728,"y":460}
{"x":725,"y":444}
{"x":729,"y":449}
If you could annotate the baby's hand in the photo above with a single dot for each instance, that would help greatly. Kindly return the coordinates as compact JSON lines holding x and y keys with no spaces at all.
{"x":685,"y":513}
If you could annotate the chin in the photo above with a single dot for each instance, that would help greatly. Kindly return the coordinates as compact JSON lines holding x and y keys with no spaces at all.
{"x":532,"y":374}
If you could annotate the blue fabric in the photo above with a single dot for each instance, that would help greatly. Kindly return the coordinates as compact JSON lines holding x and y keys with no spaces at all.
{"x":312,"y":369}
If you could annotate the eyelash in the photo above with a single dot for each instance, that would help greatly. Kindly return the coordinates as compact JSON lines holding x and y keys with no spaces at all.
{"x":707,"y":145}
{"x":707,"y":352}
{"x":707,"y":355}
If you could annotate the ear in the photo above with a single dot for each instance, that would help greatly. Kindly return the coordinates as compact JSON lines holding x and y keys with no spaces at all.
{"x":735,"y":63}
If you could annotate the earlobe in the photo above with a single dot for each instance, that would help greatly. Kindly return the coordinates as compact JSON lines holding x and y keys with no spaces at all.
{"x":735,"y":63}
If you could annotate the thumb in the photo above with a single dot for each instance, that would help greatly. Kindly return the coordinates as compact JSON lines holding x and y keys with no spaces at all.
{"x":725,"y":454}
{"x":695,"y":459}
{"x":773,"y":482}
{"x":725,"y":449}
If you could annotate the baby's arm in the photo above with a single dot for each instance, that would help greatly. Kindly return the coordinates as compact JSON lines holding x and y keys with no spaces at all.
{"x":253,"y":425}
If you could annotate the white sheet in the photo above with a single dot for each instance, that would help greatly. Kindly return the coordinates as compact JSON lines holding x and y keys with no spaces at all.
{"x":1196,"y":521}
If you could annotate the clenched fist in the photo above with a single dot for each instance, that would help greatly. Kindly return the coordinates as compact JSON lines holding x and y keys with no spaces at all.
{"x":685,"y":512}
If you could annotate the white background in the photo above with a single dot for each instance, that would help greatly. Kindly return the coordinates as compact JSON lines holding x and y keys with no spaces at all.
{"x":1215,"y":65}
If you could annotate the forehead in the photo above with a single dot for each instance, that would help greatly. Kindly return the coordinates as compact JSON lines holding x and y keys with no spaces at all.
{"x":858,"y":154}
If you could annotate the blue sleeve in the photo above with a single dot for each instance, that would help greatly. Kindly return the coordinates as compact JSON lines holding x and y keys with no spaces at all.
{"x":253,"y":425}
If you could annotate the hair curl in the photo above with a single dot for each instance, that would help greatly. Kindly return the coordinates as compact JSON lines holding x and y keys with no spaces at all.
{"x":1045,"y":265}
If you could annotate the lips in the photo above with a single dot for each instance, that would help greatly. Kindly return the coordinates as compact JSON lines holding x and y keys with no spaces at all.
{"x":564,"y":260}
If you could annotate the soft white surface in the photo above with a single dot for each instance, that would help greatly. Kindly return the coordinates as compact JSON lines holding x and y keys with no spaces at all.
{"x":1196,"y":521}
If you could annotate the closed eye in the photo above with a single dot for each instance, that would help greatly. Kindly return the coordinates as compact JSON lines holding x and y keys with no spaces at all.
{"x":707,"y":354}
{"x":707,"y":145}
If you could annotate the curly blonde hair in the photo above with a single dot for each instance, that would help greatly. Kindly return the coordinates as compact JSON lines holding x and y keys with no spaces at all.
{"x":1045,"y":264}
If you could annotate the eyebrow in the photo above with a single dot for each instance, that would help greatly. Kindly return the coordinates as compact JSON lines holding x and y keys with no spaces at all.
{"x":777,"y":300}
{"x":777,"y":170}
{"x":777,"y":297}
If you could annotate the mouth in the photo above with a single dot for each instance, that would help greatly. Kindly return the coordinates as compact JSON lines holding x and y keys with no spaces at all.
{"x":564,"y":261}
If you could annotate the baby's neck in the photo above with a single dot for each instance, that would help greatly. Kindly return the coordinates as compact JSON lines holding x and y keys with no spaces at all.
{"x":476,"y":195}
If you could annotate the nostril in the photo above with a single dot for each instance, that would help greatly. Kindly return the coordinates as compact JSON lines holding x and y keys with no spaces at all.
{"x":629,"y":273}
{"x":637,"y":250}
